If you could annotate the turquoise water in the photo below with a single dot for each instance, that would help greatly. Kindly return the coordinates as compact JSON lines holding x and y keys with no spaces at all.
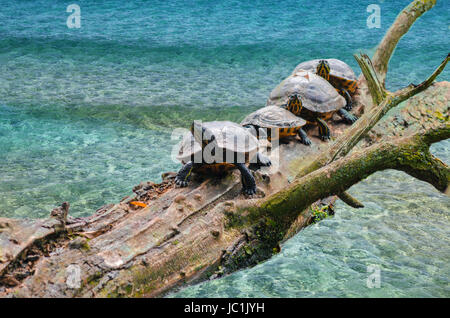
{"x":86,"y":114}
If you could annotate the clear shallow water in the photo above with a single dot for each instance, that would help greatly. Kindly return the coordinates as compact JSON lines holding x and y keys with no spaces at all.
{"x":87,"y":113}
{"x":50,"y":160}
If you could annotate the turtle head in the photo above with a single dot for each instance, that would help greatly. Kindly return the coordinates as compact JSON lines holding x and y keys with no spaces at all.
{"x":201,"y":134}
{"x":294,"y":104}
{"x":323,"y":69}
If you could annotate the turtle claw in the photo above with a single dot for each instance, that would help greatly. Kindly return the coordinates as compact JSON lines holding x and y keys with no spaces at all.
{"x":181,"y":182}
{"x":348,"y":99}
{"x":348,"y":107}
{"x":304,"y":137}
{"x":325,"y":138}
{"x":351,"y":119}
{"x":347,"y":117}
{"x":307,"y":141}
{"x":249,"y":191}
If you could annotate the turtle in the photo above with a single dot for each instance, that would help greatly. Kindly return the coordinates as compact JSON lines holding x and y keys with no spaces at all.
{"x":312,"y":98}
{"x":335,"y":71}
{"x":217,"y":147}
{"x":273,"y":117}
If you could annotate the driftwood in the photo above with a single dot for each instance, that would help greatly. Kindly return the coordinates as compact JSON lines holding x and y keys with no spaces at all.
{"x":209,"y":229}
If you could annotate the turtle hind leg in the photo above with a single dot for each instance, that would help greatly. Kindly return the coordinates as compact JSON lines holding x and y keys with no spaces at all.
{"x":184,"y":175}
{"x":349,"y":118}
{"x":248,"y":181}
{"x":348,"y":98}
{"x":304,"y":137}
{"x":324,"y":131}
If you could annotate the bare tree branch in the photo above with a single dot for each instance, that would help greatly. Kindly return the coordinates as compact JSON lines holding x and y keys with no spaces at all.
{"x":412,"y":89}
{"x":350,"y":200}
{"x":400,"y":27}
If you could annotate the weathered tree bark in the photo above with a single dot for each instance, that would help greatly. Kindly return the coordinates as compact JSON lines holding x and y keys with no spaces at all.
{"x":210,"y":229}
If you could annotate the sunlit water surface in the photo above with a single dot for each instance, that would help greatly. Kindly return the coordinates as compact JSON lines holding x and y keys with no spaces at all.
{"x":86,"y":114}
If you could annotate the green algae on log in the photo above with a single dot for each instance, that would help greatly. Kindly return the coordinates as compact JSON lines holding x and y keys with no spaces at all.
{"x":185,"y":235}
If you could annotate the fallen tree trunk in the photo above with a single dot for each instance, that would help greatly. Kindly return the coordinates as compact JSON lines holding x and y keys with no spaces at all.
{"x":209,"y":229}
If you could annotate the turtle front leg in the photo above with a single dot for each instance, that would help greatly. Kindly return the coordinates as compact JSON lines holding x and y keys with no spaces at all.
{"x":349,"y":118}
{"x":324,"y":131}
{"x":248,"y":181}
{"x":304,"y":137}
{"x":348,"y":98}
{"x":184,"y":175}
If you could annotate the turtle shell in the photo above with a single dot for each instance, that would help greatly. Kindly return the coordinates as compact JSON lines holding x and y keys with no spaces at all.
{"x":273,"y":117}
{"x":338,"y":68}
{"x":229,"y":138}
{"x":316,"y":93}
